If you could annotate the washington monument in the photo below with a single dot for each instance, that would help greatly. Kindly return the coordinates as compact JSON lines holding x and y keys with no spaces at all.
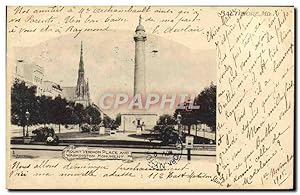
{"x":139,"y":62}
{"x":139,"y":120}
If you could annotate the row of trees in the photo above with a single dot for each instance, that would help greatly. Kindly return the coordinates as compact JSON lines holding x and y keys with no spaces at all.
{"x":45,"y":110}
{"x":206,"y":114}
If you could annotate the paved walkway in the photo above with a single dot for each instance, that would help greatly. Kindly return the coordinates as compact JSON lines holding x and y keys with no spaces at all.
{"x":17,"y":131}
{"x":33,"y":148}
{"x":117,"y":136}
{"x":205,"y":134}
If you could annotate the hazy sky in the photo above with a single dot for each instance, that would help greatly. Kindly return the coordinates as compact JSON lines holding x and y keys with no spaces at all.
{"x":109,"y":63}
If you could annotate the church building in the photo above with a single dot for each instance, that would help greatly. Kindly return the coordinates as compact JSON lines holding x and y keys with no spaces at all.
{"x":79,"y":94}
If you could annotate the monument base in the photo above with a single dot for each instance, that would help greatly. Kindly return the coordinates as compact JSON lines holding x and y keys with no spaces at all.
{"x":102,"y":131}
{"x":138,"y":122}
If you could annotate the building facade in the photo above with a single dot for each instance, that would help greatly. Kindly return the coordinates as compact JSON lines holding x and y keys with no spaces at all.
{"x":52,"y":89}
{"x":69,"y":93}
{"x":31,"y":73}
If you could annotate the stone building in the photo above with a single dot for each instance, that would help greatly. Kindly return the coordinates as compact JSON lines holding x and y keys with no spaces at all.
{"x":80,"y":93}
{"x":31,"y":73}
{"x":52,"y":89}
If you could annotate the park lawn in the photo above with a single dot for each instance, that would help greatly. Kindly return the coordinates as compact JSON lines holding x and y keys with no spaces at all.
{"x":76,"y":135}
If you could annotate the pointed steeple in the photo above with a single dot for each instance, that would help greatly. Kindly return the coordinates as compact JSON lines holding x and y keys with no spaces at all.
{"x":87,"y":84}
{"x":81,"y":64}
{"x":82,"y":87}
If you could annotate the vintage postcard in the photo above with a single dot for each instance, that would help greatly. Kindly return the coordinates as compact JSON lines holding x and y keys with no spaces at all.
{"x":149,"y":97}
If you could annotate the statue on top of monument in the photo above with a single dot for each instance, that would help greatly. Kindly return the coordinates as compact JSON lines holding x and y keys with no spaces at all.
{"x":140,"y":27}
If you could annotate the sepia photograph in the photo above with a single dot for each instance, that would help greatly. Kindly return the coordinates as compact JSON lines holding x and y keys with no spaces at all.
{"x":150,"y":97}
{"x":119,"y":95}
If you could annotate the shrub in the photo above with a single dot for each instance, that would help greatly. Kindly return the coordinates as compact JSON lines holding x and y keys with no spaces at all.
{"x":42,"y":133}
{"x":54,"y":140}
{"x":167,"y":134}
{"x":86,"y":128}
{"x":95,"y":128}
{"x":157,"y":127}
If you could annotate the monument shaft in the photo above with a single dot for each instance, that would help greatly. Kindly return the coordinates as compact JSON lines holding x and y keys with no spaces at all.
{"x":139,"y":67}
{"x":138,"y":119}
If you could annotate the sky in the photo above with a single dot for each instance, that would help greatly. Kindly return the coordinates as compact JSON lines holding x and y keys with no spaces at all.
{"x":109,"y":63}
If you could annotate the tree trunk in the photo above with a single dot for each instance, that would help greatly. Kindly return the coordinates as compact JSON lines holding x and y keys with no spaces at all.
{"x":23,"y":130}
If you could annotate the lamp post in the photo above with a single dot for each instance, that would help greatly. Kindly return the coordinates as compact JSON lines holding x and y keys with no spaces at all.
{"x":204,"y":136}
{"x":188,"y":139}
{"x":178,"y":119}
{"x":198,"y":121}
{"x":27,"y":116}
{"x":90,"y":120}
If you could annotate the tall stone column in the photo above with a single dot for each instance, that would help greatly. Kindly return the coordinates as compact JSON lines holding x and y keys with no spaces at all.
{"x":139,"y":66}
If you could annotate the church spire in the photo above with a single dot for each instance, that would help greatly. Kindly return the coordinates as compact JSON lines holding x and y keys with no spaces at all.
{"x":81,"y":64}
{"x":88,"y":88}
